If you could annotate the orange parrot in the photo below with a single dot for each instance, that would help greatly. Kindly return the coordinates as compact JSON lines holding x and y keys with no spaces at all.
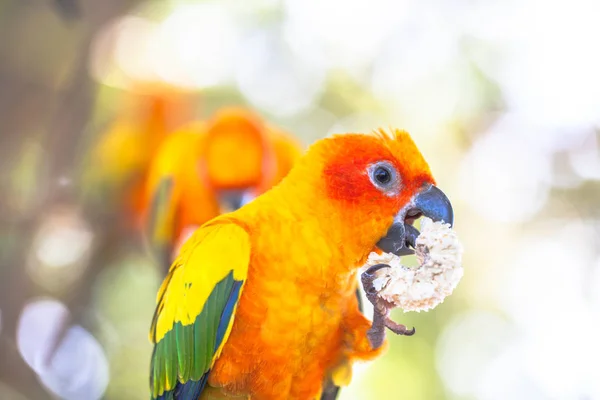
{"x":244,"y":157}
{"x":121,"y":158}
{"x":260,"y":303}
{"x":227,"y":161}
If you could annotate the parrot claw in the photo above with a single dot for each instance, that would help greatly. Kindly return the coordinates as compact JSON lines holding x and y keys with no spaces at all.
{"x":399,"y":329}
{"x":367,"y":278}
{"x":381,"y":310}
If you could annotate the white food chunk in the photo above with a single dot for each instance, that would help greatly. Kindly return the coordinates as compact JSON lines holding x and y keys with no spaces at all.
{"x":420,"y":289}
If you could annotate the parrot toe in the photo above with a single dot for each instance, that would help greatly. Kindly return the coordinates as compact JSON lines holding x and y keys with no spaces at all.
{"x":381,"y":309}
{"x":368,"y":276}
{"x":399,"y":329}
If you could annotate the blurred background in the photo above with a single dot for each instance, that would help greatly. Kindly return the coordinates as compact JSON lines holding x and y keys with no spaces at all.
{"x":502,"y":97}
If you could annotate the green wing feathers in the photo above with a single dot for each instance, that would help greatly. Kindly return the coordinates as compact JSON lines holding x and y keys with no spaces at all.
{"x":196,"y":308}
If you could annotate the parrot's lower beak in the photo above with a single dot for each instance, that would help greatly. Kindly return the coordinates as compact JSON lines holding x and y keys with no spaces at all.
{"x":430,"y":202}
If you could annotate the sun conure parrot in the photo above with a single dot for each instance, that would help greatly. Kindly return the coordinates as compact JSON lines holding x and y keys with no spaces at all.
{"x":244,"y":156}
{"x":227,"y":161}
{"x":176,"y":197}
{"x":120,"y":160}
{"x":260,"y":303}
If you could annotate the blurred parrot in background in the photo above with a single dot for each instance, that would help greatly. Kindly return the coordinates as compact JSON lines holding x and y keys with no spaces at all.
{"x":120,"y":160}
{"x":244,"y":157}
{"x":204,"y":169}
{"x":260,"y":303}
{"x":176,"y":197}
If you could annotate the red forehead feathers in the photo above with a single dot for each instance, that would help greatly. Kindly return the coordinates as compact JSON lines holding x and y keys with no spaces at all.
{"x":349,"y":155}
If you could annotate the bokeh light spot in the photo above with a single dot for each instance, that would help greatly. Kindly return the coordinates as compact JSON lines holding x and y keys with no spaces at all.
{"x":504,"y":178}
{"x":68,"y":360}
{"x":468,"y":343}
{"x":273,"y":78}
{"x":61,"y":248}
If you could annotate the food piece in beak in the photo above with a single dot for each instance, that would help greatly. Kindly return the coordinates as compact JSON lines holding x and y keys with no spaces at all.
{"x":430,"y":202}
{"x":388,"y":284}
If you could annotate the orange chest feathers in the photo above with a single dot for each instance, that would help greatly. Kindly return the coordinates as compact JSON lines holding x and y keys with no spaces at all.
{"x":287,"y":333}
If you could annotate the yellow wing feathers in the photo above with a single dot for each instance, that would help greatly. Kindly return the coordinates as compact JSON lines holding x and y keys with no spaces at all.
{"x":212,"y":252}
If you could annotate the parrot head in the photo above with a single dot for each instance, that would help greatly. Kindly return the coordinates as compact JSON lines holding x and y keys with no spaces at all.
{"x":238,"y":159}
{"x":382,"y":184}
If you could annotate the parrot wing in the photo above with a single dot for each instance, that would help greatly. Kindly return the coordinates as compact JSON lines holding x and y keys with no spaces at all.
{"x":161,"y":221}
{"x":196,"y":309}
{"x":165,"y":183}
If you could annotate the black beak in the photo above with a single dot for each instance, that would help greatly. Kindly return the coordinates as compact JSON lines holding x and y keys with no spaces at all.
{"x":430,"y":202}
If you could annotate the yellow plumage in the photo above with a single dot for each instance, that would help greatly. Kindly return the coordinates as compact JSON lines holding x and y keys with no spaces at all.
{"x":205,"y":259}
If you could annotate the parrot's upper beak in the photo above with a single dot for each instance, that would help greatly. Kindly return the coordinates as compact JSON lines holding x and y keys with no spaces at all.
{"x":430,"y":202}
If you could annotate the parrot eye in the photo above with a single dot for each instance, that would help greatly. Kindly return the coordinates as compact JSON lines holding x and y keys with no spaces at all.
{"x":384,"y":176}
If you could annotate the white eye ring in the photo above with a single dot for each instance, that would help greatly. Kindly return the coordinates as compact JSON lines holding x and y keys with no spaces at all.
{"x":384,"y":177}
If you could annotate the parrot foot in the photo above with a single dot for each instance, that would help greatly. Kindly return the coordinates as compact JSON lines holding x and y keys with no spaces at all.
{"x":381,"y":310}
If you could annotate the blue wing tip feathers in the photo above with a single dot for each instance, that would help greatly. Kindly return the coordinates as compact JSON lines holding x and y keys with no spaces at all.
{"x":190,"y":390}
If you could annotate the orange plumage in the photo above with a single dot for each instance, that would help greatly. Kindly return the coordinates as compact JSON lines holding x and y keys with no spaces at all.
{"x":121,"y":158}
{"x":236,"y":153}
{"x":278,"y":278}
{"x":298,"y":316}
{"x":287,"y":150}
{"x":242,"y":152}
{"x":159,"y":111}
{"x":235,"y":150}
{"x":191,"y":201}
